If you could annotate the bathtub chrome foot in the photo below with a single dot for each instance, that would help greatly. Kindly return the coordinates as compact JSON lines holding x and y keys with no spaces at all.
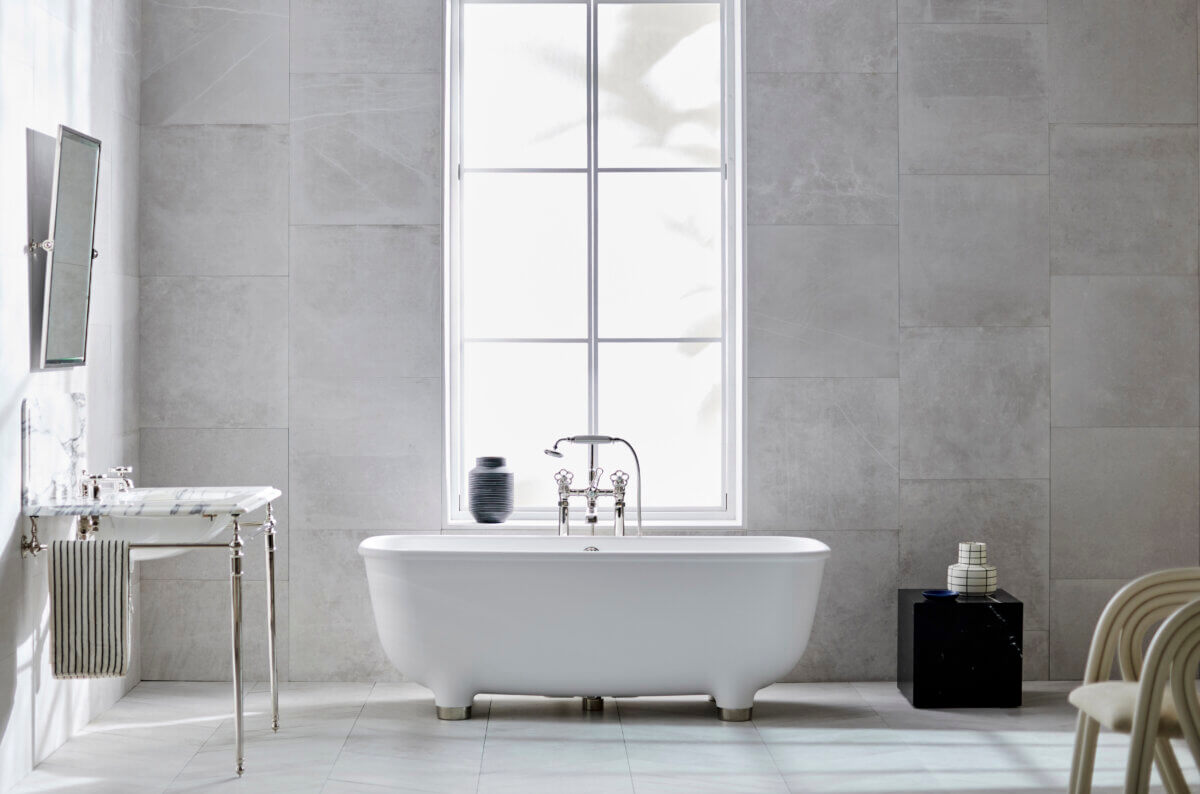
{"x":454,"y":712}
{"x":593,"y":703}
{"x":734,"y":715}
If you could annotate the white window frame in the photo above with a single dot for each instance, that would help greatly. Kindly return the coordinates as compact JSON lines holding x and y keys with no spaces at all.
{"x":733,"y":339}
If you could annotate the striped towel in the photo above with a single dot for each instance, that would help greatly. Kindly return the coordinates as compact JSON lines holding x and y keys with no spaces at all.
{"x":89,"y":612}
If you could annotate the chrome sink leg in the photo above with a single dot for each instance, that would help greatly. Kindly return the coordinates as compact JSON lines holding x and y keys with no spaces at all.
{"x":269,"y":535}
{"x":235,"y":583}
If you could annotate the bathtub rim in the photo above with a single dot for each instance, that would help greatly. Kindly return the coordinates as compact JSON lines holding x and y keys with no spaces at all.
{"x":758,"y":548}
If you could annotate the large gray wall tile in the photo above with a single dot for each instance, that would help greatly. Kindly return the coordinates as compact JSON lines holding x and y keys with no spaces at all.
{"x":973,"y":250}
{"x":823,"y":301}
{"x":821,"y":454}
{"x":1123,"y":200}
{"x":332,"y":627}
{"x":974,"y":403}
{"x":1011,"y":516}
{"x":973,"y":99}
{"x":857,"y":588}
{"x":185,"y":630}
{"x":843,"y":36}
{"x":1113,"y":61}
{"x":1126,"y":351}
{"x":1124,"y":501}
{"x":366,"y":301}
{"x":365,"y":453}
{"x":1035,"y":662}
{"x":821,"y":148}
{"x":972,"y":10}
{"x":1075,"y":606}
{"x":188,"y":456}
{"x":223,"y":62}
{"x":214,"y":200}
{"x":213,"y":352}
{"x":366,"y":149}
{"x":367,"y":36}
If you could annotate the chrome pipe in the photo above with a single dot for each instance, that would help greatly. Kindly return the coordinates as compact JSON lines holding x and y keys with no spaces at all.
{"x":235,"y":586}
{"x":269,"y":530}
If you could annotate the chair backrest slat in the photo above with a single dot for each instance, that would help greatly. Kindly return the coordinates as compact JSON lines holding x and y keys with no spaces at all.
{"x":1131,"y":614}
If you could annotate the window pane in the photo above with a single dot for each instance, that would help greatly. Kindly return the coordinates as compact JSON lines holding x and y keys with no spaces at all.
{"x":666,"y":399}
{"x":524,"y":87}
{"x":660,"y":84}
{"x":660,"y":254}
{"x":517,"y":399}
{"x":524,"y":255}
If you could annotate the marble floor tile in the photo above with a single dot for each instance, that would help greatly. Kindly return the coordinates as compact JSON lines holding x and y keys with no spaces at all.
{"x":367,"y":738}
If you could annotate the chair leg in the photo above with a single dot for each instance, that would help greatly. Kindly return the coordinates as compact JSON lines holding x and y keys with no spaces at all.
{"x":1142,"y":753}
{"x":1168,"y":768}
{"x":1087,"y":732}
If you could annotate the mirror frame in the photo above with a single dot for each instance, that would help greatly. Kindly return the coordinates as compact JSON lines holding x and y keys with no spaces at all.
{"x":87,"y":309}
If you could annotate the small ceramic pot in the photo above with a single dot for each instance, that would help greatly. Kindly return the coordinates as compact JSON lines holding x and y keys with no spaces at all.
{"x":972,"y":575}
{"x":490,"y":490}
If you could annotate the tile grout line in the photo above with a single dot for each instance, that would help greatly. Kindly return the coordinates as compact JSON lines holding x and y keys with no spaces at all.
{"x":771,"y":755}
{"x":199,"y":749}
{"x":349,"y":733}
{"x":483,"y":745}
{"x":625,"y":744}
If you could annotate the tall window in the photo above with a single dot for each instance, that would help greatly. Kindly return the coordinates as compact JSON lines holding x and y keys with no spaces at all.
{"x":593,"y":217}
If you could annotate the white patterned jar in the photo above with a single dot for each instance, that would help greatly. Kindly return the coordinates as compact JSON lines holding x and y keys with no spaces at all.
{"x":972,"y":575}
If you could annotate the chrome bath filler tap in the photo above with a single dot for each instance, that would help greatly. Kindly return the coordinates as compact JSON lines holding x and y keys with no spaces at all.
{"x":593,"y":491}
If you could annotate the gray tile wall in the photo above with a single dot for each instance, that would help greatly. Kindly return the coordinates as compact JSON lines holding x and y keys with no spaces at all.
{"x":970,"y":223}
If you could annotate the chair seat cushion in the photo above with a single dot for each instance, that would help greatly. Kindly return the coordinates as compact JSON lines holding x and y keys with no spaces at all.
{"x":1112,"y":703}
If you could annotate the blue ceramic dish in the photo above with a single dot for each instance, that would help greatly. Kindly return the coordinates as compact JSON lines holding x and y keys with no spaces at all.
{"x":940,"y":595}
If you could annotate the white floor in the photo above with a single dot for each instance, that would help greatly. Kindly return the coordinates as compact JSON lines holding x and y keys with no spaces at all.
{"x":340,"y":738}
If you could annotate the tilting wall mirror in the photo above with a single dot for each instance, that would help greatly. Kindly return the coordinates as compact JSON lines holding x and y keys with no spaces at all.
{"x":69,"y":251}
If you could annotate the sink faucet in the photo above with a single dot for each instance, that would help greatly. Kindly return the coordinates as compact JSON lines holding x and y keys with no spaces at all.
{"x":593,"y":491}
{"x":118,"y":476}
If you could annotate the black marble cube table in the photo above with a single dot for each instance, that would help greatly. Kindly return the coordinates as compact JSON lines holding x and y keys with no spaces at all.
{"x":960,"y":654}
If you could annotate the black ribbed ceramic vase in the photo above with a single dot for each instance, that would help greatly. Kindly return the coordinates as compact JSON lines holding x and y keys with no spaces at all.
{"x":490,"y":485}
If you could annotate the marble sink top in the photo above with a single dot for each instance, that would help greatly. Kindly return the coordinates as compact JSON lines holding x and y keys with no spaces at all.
{"x":162,"y":515}
{"x":162,"y":502}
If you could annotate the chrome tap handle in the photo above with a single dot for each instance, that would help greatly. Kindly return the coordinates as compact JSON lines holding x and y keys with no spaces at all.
{"x":619,"y":480}
{"x":595,"y":483}
{"x":564,"y":479}
{"x":123,"y":474}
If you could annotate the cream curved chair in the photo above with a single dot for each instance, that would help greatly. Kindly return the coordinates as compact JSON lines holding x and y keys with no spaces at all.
{"x":1120,"y":633}
{"x":1172,"y":659}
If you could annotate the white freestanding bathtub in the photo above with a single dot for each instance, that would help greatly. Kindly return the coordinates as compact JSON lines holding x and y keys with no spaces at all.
{"x":594,"y":616}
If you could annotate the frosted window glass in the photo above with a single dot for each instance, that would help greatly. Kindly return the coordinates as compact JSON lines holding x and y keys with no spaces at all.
{"x":659,"y":81}
{"x":524,"y":255}
{"x":517,"y":399}
{"x":660,"y":254}
{"x":524,"y":85}
{"x":666,"y":398}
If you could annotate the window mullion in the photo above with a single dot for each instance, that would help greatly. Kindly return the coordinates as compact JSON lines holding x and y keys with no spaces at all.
{"x":592,"y":204}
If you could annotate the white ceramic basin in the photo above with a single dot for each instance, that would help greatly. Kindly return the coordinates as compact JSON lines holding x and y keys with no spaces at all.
{"x":164,"y":515}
